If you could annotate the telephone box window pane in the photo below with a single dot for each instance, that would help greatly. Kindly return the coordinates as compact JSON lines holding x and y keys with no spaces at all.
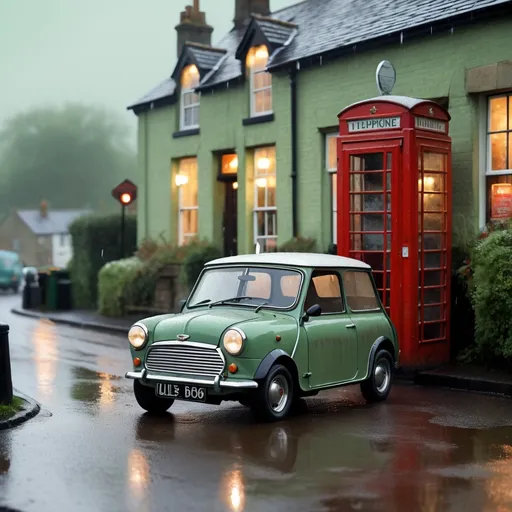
{"x":498,"y":114}
{"x":510,"y":112}
{"x":433,"y":331}
{"x":389,"y":160}
{"x":368,"y":162}
{"x":433,"y":241}
{"x":373,"y":242}
{"x":498,"y":142}
{"x":433,"y":182}
{"x":433,"y":260}
{"x":375,"y":260}
{"x":433,"y":295}
{"x":433,"y":221}
{"x":367,"y":222}
{"x":433,"y":313}
{"x":433,"y":278}
{"x":433,"y":162}
{"x":379,"y":279}
{"x":369,"y":182}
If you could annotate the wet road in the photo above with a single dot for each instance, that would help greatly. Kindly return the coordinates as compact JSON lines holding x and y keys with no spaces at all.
{"x":92,"y":449}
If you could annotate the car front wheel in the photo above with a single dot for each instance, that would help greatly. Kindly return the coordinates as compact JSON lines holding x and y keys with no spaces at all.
{"x":147,"y":399}
{"x":275,"y":395}
{"x":378,"y":385}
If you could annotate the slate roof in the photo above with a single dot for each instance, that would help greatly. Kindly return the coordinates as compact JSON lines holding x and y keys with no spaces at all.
{"x":324,"y":26}
{"x":276,"y":31}
{"x":205,"y":57}
{"x":56,"y":221}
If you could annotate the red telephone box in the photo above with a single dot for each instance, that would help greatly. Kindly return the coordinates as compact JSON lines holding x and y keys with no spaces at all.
{"x":394,"y":212}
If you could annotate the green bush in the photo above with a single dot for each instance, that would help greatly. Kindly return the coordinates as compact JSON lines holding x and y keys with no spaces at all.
{"x":299,"y":244}
{"x":114,"y":279}
{"x":133,"y":281}
{"x":97,"y":241}
{"x":491,"y":293}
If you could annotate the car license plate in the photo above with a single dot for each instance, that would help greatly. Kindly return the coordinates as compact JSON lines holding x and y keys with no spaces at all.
{"x":180,"y":392}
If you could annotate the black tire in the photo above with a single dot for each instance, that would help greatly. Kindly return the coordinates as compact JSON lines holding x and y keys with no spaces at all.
{"x":147,"y":399}
{"x":275,"y":395}
{"x":378,"y":385}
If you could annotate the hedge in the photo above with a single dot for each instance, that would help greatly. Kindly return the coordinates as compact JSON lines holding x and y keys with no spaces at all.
{"x":97,"y":241}
{"x":133,"y":281}
{"x":491,"y":294}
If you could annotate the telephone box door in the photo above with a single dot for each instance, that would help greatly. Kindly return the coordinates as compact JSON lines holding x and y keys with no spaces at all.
{"x":371,"y":232}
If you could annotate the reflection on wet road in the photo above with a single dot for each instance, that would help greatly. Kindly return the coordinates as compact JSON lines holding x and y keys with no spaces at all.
{"x":92,"y":448}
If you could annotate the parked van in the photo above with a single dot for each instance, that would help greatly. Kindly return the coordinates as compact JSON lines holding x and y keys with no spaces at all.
{"x":11,"y":271}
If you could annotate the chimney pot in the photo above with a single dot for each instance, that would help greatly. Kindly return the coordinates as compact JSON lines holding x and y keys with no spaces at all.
{"x":193,"y":27}
{"x":44,"y":209}
{"x":245,"y":8}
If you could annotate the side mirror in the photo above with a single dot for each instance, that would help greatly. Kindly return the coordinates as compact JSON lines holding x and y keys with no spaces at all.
{"x":314,"y":310}
{"x":182,"y":303}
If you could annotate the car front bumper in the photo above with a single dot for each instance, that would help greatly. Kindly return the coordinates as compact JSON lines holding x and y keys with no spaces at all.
{"x":217,"y":384}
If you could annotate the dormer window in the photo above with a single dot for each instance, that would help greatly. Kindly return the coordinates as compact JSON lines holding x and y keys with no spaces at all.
{"x":260,"y":81}
{"x":189,"y":118}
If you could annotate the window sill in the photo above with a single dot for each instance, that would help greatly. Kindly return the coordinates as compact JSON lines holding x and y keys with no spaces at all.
{"x":267,"y":118}
{"x":186,"y":133}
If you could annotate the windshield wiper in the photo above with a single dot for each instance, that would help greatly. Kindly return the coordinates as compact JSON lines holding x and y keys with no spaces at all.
{"x":233,"y":299}
{"x":200,"y":303}
{"x":260,"y":306}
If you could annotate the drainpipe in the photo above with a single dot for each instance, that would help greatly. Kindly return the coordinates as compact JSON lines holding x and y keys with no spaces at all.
{"x":293,"y":96}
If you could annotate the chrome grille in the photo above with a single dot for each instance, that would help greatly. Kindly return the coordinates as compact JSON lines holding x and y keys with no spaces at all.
{"x":185,"y":359}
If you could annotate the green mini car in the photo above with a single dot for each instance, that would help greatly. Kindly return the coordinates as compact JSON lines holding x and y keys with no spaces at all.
{"x":267,"y":330}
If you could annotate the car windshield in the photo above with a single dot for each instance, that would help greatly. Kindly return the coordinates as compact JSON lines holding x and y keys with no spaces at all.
{"x":250,"y":286}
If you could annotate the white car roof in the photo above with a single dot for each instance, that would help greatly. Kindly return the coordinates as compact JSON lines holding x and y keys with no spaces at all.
{"x":292,"y":259}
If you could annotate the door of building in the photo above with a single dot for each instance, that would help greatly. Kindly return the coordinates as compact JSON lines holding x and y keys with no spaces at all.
{"x":371,"y":231}
{"x":229,"y":225}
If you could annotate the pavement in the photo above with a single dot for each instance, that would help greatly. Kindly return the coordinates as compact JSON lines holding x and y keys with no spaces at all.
{"x":469,"y":378}
{"x":91,"y":448}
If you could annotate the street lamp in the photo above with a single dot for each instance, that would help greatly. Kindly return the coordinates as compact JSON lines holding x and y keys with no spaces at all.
{"x":125,"y":193}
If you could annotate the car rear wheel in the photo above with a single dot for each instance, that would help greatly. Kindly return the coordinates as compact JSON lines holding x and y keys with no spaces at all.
{"x":275,"y":395}
{"x":378,"y":385}
{"x":147,"y":399}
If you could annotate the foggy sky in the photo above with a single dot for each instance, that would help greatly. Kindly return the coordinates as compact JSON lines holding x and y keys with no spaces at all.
{"x":107,"y":52}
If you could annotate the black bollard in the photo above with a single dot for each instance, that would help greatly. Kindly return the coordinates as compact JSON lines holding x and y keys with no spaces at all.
{"x":5,"y":366}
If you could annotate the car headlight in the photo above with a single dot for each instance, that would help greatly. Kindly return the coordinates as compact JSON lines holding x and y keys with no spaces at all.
{"x":137,"y":336}
{"x":233,"y":341}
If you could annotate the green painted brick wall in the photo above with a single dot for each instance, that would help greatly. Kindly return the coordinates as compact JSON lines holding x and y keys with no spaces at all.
{"x":431,"y":67}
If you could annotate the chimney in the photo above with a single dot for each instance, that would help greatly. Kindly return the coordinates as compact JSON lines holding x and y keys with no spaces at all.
{"x":44,"y":209}
{"x":245,"y":8}
{"x":193,"y":27}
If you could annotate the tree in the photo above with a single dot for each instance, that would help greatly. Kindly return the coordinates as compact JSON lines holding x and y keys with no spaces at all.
{"x":71,"y":156}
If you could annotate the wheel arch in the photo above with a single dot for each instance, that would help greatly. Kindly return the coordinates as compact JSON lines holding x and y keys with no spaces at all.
{"x":381,"y":343}
{"x":277,"y":356}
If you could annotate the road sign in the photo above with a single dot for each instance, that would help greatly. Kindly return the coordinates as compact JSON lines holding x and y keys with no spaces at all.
{"x":125,"y":192}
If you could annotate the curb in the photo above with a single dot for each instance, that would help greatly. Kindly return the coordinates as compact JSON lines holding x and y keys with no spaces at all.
{"x":97,"y":326}
{"x":464,"y":383}
{"x":30,"y":409}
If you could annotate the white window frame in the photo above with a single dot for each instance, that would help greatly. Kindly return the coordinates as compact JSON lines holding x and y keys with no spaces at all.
{"x":333,"y":176}
{"x":252,"y":74}
{"x":193,"y":106}
{"x":182,"y":236}
{"x":485,"y":160}
{"x":265,"y":209}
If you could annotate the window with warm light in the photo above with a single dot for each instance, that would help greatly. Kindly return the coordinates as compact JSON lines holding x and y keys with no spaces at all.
{"x":189,"y":117}
{"x":229,"y":164}
{"x":260,"y":81}
{"x":186,"y":181}
{"x":265,"y":208}
{"x":499,"y":158}
{"x":331,"y":160}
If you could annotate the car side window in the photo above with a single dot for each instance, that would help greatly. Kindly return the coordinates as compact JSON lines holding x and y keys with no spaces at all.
{"x":325,"y":290}
{"x":359,"y":291}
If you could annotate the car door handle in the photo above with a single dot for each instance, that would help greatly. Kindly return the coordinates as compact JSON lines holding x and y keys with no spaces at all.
{"x":351,"y":326}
